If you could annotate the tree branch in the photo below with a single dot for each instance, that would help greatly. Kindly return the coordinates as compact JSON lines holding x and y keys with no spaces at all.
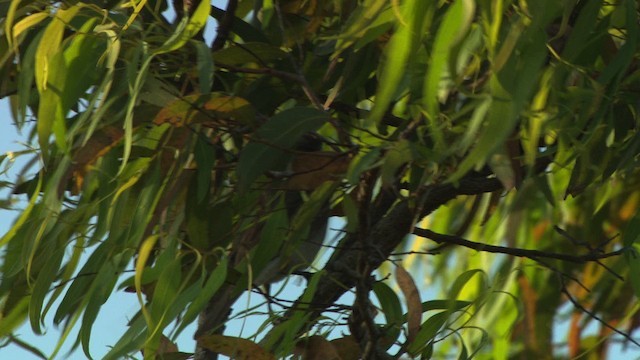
{"x":387,"y":233}
{"x":224,"y":28}
{"x":577,"y":305}
{"x":530,"y":254}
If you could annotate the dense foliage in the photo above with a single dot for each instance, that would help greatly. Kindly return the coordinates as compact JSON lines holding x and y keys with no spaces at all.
{"x":483,"y":157}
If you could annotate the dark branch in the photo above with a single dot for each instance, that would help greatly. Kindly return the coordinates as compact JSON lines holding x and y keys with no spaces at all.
{"x":531,"y":254}
{"x":224,"y":28}
{"x":392,"y":224}
{"x":577,"y":305}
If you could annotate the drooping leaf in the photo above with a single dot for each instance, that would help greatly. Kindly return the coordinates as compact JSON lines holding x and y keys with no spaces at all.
{"x":189,"y":26}
{"x":455,"y":25}
{"x":428,"y":331}
{"x":415,"y":16}
{"x":390,"y":307}
{"x":412,"y":297}
{"x":209,"y":288}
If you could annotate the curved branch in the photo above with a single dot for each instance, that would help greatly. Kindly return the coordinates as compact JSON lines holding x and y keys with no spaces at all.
{"x":530,"y":254}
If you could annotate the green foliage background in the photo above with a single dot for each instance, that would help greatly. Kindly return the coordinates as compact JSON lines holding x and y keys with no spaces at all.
{"x":508,"y":125}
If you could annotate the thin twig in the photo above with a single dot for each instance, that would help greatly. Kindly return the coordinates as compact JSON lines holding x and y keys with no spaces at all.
{"x":311,"y":95}
{"x":530,"y":254}
{"x":594,"y":316}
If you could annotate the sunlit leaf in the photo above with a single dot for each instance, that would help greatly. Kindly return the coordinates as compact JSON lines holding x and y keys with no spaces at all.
{"x":192,"y":25}
{"x":455,"y":25}
{"x":405,"y":41}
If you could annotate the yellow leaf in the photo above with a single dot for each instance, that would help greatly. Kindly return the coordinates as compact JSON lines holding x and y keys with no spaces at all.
{"x":209,"y":109}
{"x":310,"y":170}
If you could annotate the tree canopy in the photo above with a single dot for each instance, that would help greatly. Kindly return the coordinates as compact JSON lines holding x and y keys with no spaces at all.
{"x":480,"y":159}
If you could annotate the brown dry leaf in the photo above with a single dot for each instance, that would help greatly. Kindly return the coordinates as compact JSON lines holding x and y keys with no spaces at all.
{"x":208,"y":109}
{"x":168,"y":350}
{"x":312,"y":169}
{"x":414,"y":304}
{"x":316,"y":348}
{"x":98,"y":145}
{"x":347,"y":348}
{"x":530,"y":299}
{"x":630,"y":207}
{"x":166,"y":346}
{"x":234,"y":347}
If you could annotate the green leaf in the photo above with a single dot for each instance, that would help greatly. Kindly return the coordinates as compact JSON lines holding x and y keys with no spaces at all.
{"x":391,"y":308}
{"x":361,"y":164}
{"x":351,"y":212}
{"x":211,"y":286}
{"x":510,"y":89}
{"x":24,"y":216}
{"x":27,"y":347}
{"x":78,"y":289}
{"x":276,"y":228}
{"x":361,"y":21}
{"x":165,"y":290}
{"x":133,"y":339}
{"x":25,"y":80}
{"x":26,"y":23}
{"x":461,"y":282}
{"x":621,"y":61}
{"x":69,"y":271}
{"x":405,"y":41}
{"x":47,"y":275}
{"x":283,"y":334}
{"x":95,"y":296}
{"x":454,"y":27}
{"x":396,"y":156}
{"x":447,"y":304}
{"x":428,"y":332}
{"x":205,"y":67}
{"x":15,"y":318}
{"x":50,"y":73}
{"x":188,"y":28}
{"x":582,"y":32}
